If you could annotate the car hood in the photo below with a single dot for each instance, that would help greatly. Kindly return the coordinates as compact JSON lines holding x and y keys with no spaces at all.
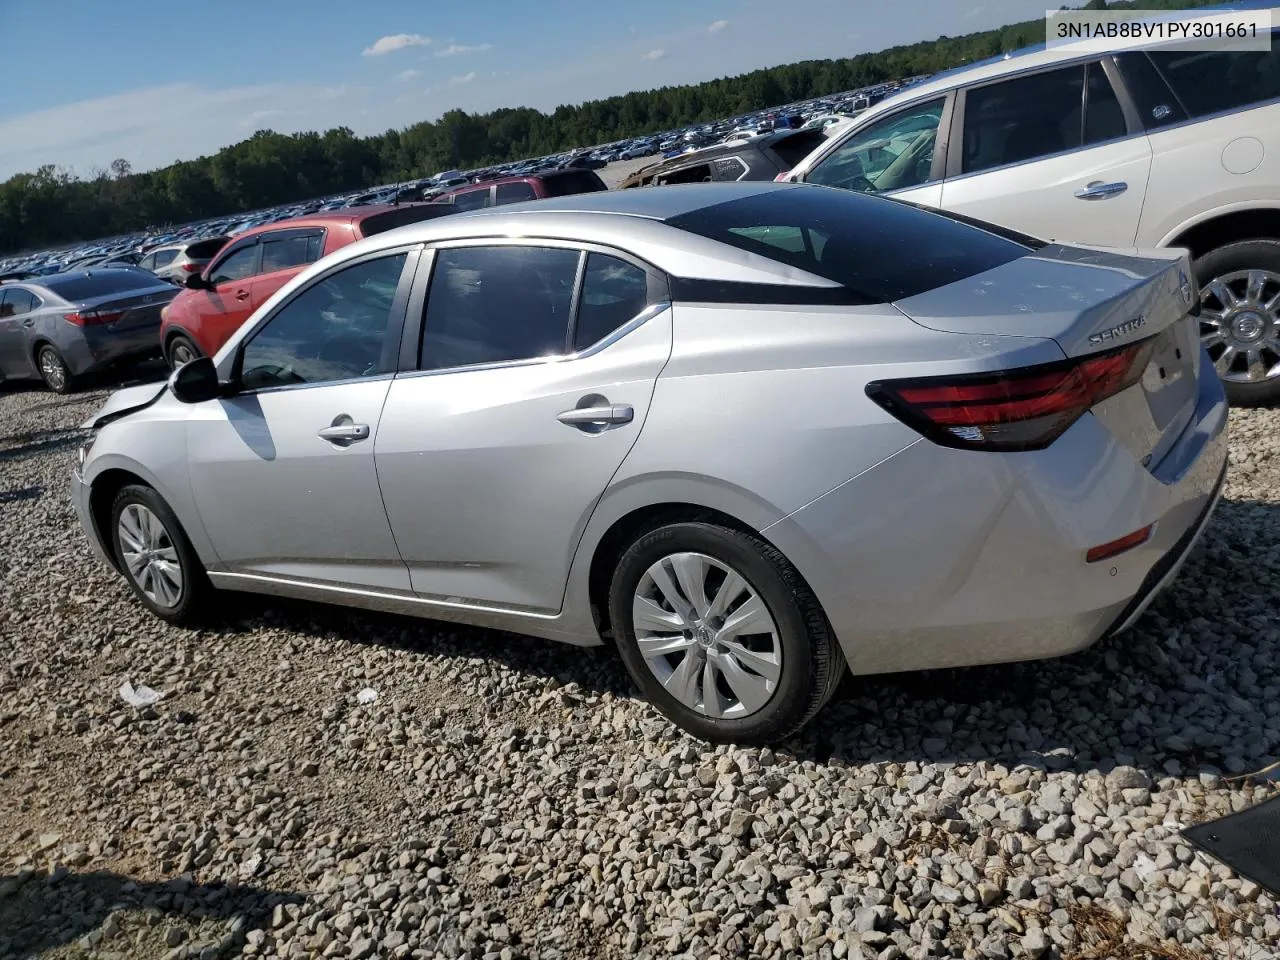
{"x":124,"y":402}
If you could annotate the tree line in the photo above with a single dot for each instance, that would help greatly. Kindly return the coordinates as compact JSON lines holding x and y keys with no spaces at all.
{"x":52,"y":207}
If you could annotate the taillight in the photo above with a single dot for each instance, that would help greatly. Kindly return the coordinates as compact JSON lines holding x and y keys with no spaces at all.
{"x":93,"y":318}
{"x":1023,"y":409}
{"x":782,"y":177}
{"x":193,"y":267}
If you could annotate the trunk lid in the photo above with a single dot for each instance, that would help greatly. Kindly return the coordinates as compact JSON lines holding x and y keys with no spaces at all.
{"x":138,"y":308}
{"x":1089,"y":301}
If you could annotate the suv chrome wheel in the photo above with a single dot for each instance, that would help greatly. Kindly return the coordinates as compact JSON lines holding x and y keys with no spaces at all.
{"x":149,"y":555}
{"x":1240,"y":325}
{"x":707,"y":636}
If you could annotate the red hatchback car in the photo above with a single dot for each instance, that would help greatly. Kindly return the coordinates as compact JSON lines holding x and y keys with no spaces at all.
{"x":253,"y":266}
{"x":535,"y":186}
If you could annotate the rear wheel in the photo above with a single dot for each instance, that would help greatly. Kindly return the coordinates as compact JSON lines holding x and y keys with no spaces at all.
{"x":721,"y":634}
{"x":53,"y":370}
{"x":181,"y":350}
{"x":1240,"y":318}
{"x":156,"y":557}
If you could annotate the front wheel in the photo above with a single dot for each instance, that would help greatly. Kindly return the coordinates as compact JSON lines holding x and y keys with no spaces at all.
{"x":1240,"y":318}
{"x":155,"y":556}
{"x":181,"y":350}
{"x":721,"y":634}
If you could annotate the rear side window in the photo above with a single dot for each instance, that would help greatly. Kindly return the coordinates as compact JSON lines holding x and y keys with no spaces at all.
{"x":695,"y":173}
{"x":492,"y":304}
{"x":1036,"y":116}
{"x":90,"y":285}
{"x":515,"y":192}
{"x":879,"y":250}
{"x":730,"y":168}
{"x":791,"y":150}
{"x":14,"y":302}
{"x":471,"y":199}
{"x":1209,"y":81}
{"x":281,"y":253}
{"x":613,"y":293}
{"x":165,"y":257}
{"x":576,"y":181}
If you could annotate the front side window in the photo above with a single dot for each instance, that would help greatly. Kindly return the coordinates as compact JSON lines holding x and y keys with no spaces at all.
{"x":295,"y":250}
{"x":515,"y":192}
{"x":613,"y":293}
{"x":1210,"y":81}
{"x":494,"y":304}
{"x":237,"y":265}
{"x":895,"y":153}
{"x":336,"y":329}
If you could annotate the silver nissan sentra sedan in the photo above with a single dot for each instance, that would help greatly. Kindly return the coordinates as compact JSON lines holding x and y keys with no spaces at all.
{"x":751,"y":434}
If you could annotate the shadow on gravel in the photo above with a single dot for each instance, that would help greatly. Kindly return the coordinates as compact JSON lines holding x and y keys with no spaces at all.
{"x":40,"y":912}
{"x":1161,"y":697}
{"x":24,"y":446}
{"x":20,"y":494}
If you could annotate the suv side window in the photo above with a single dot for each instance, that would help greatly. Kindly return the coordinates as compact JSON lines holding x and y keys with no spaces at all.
{"x":472,"y":199}
{"x":336,"y":329}
{"x":284,"y":250}
{"x":515,"y":192}
{"x":1026,"y":118}
{"x":165,"y":257}
{"x":613,"y":292}
{"x":1210,"y":81}
{"x":730,"y":168}
{"x":492,"y":304}
{"x":891,"y":154}
{"x":241,"y":262}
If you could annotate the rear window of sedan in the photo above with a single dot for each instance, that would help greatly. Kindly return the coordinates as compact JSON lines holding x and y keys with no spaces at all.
{"x":879,"y":249}
{"x":85,"y":286}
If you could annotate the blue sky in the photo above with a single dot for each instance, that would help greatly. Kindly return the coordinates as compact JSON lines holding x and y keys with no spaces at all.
{"x":154,"y":84}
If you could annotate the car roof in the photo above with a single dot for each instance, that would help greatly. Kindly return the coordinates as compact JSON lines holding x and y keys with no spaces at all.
{"x":651,"y":203}
{"x":324,"y":218}
{"x":1025,"y":58}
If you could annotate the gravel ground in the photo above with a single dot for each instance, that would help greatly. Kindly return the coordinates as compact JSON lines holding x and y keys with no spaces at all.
{"x":505,"y":797}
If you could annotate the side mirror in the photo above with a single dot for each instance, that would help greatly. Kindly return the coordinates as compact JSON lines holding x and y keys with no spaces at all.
{"x":196,"y":381}
{"x":195,"y":282}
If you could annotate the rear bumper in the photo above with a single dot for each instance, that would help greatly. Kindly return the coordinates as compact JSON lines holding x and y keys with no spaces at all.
{"x":98,"y":349}
{"x":941,"y":558}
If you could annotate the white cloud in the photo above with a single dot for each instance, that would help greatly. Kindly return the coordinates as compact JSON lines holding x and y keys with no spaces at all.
{"x":396,"y":41}
{"x":457,"y":49}
{"x":404,"y":76}
{"x":462,"y":78}
{"x":654,"y":55}
{"x":255,"y":119}
{"x":717,"y":26}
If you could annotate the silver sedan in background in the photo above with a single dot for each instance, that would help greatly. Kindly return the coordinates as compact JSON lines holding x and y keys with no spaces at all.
{"x":60,"y":327}
{"x":752,"y":434}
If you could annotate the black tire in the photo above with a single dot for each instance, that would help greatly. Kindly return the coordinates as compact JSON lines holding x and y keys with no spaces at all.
{"x":812,"y":664}
{"x":53,"y":370}
{"x":183,"y":347}
{"x":193,"y":596}
{"x":1223,"y":261}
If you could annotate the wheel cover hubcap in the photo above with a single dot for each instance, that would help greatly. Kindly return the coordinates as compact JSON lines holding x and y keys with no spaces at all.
{"x":150,"y":556}
{"x":1240,"y":325}
{"x":182,"y":354}
{"x":51,"y":368}
{"x":707,"y":636}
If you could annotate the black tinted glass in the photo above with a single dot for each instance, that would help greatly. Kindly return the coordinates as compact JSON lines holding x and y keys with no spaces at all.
{"x":613,"y":292}
{"x":472,"y":199}
{"x":1023,"y":119}
{"x":86,"y":286}
{"x":1103,"y":118}
{"x":205,"y":249}
{"x":489,"y":304}
{"x":794,"y":148}
{"x":290,"y":251}
{"x":240,"y":264}
{"x":515,"y":192}
{"x":14,"y":303}
{"x":879,"y":249}
{"x":577,"y":181}
{"x":1208,"y":81}
{"x":333,"y":330}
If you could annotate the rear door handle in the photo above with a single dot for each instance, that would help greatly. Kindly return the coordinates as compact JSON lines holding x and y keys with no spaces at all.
{"x":1097,"y":190}
{"x":345,"y":434}
{"x":602,"y":416}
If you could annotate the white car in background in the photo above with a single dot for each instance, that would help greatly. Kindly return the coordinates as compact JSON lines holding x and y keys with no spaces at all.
{"x":1162,"y":147}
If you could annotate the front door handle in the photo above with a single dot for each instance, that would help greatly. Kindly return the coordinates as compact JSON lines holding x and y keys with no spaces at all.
{"x":345,"y":434}
{"x":29,"y":323}
{"x":1097,"y":190}
{"x":598,"y":416}
{"x":242,"y":294}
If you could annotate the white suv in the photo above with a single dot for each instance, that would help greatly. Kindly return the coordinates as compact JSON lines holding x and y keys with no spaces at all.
{"x":1164,"y":147}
